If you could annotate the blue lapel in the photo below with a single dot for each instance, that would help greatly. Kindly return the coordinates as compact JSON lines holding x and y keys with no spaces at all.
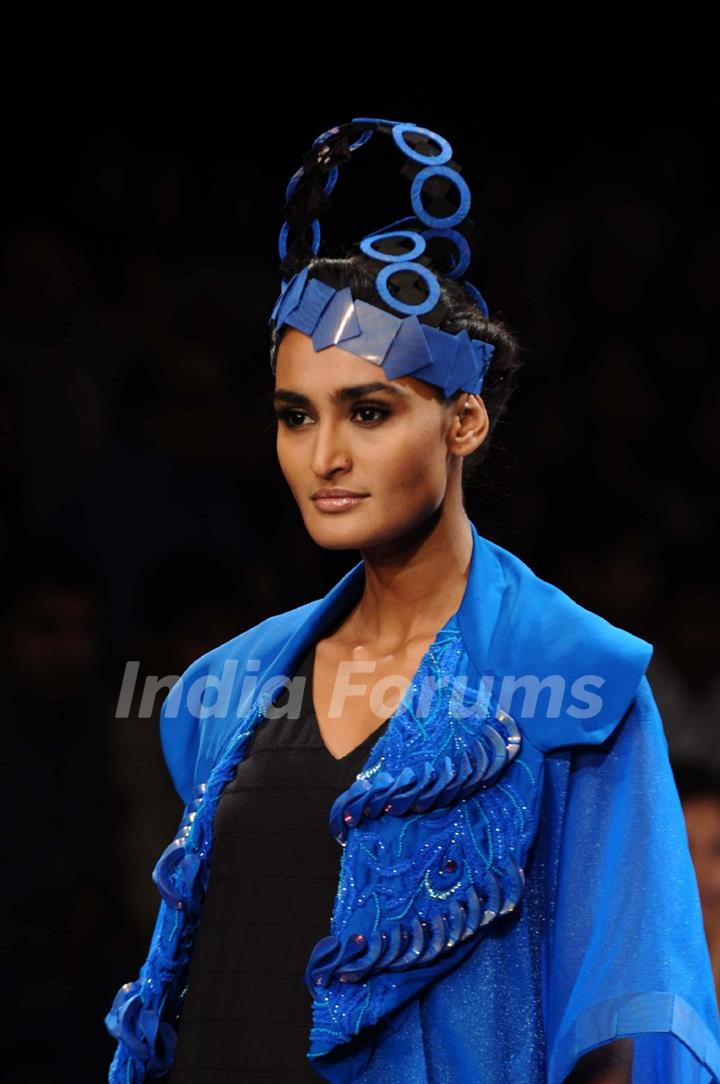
{"x":513,"y":624}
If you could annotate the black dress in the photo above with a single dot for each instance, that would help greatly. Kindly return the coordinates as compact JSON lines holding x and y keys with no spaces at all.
{"x":273,"y":878}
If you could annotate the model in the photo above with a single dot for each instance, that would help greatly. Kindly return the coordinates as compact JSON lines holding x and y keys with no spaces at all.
{"x":431,"y":832}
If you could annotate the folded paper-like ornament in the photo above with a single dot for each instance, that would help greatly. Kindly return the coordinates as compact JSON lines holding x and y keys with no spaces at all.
{"x":403,"y":346}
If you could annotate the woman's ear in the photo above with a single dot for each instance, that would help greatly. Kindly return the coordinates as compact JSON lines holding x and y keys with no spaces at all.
{"x":469,"y":425}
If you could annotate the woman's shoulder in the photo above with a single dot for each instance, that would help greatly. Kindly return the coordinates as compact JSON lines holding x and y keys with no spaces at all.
{"x":543,"y":638}
{"x":538,"y":611}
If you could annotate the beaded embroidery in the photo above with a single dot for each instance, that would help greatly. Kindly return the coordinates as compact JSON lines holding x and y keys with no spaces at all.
{"x":435,"y":831}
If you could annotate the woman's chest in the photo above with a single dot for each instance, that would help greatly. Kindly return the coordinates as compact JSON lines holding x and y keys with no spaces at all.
{"x":353,"y":694}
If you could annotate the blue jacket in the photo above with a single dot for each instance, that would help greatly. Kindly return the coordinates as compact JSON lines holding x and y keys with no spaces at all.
{"x":515,"y":882}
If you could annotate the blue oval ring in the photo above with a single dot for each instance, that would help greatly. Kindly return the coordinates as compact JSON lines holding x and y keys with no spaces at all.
{"x":463,"y":248}
{"x":418,"y":241}
{"x":430,"y":281}
{"x":477,"y":297}
{"x":416,"y":191}
{"x":330,"y":183}
{"x":398,"y":134}
{"x":282,"y":240}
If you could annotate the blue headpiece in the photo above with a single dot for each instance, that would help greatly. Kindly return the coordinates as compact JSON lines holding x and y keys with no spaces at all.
{"x":402,"y":345}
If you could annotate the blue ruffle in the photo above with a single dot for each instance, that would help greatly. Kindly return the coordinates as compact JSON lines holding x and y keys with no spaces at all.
{"x":355,"y":956}
{"x":144,"y":1013}
{"x":429,"y":785}
{"x":137,"y":1026}
{"x":177,"y":870}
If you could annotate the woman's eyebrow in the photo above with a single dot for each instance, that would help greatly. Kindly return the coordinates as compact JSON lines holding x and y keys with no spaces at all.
{"x":340,"y":395}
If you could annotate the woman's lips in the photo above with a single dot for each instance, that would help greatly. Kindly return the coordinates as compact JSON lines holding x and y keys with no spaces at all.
{"x":337,"y":504}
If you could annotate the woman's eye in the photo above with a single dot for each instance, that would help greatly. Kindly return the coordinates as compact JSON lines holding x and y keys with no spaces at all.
{"x":287,"y":416}
{"x":290,"y":415}
{"x":380,"y":412}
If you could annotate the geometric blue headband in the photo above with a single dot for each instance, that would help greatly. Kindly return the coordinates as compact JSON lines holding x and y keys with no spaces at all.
{"x":403,"y":345}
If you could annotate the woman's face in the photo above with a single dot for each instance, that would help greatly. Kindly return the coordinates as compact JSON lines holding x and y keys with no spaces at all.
{"x":392,"y":444}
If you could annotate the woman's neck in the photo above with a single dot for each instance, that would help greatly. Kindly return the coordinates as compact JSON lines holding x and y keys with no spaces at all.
{"x":413,"y":585}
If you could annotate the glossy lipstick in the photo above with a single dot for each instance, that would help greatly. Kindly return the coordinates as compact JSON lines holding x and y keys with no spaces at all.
{"x":336,"y":504}
{"x":337,"y":500}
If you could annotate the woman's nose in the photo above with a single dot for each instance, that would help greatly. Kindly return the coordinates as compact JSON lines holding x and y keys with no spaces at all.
{"x":329,"y":450}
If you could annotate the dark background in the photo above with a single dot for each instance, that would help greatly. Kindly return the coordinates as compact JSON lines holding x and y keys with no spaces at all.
{"x":144,"y":516}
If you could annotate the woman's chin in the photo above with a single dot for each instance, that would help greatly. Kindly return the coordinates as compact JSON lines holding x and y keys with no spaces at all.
{"x":340,"y":530}
{"x":335,"y":537}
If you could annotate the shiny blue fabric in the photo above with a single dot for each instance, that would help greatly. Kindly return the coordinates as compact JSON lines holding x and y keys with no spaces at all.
{"x":606,"y":940}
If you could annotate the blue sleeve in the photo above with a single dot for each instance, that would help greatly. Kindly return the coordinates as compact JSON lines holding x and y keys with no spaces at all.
{"x":626,"y":953}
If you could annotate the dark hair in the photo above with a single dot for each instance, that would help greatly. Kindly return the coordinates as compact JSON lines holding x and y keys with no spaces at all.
{"x":358,"y":271}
